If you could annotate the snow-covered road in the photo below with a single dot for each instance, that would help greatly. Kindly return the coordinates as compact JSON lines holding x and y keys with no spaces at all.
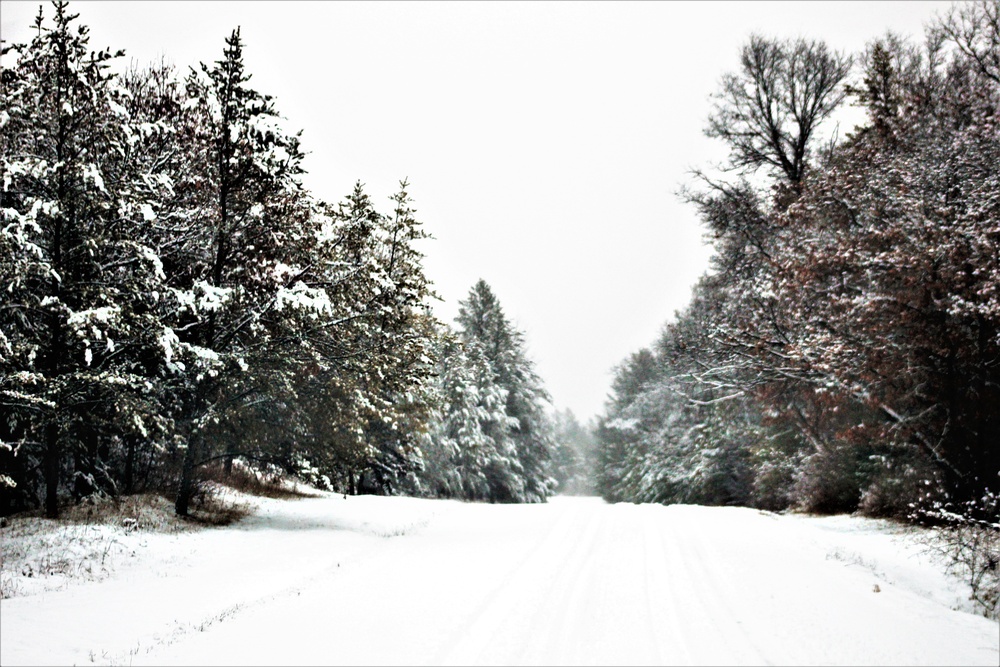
{"x":371,"y":580}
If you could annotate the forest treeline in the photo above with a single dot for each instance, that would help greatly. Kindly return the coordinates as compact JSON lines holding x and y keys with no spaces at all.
{"x":174,"y":299}
{"x":842,"y":353}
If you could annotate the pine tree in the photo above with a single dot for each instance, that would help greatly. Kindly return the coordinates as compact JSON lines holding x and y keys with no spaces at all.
{"x":403,"y":354}
{"x":482,"y":322}
{"x":470,"y":415}
{"x":175,"y":297}
{"x":574,"y":458}
{"x":76,"y":323}
{"x":239,"y":265}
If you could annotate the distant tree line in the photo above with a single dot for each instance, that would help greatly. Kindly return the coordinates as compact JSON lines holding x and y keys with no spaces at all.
{"x":843,"y":351}
{"x":174,"y":299}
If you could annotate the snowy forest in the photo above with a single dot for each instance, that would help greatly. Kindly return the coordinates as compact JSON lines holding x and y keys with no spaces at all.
{"x":175,"y":299}
{"x":842,"y":353}
{"x":235,"y":427}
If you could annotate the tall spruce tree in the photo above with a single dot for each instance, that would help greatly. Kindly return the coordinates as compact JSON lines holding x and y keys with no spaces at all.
{"x":468,"y":435}
{"x":482,"y":322}
{"x":174,"y":297}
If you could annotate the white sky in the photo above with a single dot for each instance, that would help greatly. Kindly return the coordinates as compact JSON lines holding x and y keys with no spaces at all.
{"x":544,"y":142}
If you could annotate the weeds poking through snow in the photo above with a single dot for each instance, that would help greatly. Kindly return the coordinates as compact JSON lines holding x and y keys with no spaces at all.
{"x":967,"y":541}
{"x":38,"y":554}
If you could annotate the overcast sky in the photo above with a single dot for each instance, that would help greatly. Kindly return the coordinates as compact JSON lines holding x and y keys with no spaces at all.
{"x":544,"y":142}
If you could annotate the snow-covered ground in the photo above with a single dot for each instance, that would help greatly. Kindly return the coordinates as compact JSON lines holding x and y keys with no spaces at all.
{"x":373,"y":580}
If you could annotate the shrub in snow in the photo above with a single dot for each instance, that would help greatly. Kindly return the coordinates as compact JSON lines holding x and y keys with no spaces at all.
{"x":967,"y":542}
{"x":773,"y":483}
{"x":897,"y":483}
{"x":827,"y":483}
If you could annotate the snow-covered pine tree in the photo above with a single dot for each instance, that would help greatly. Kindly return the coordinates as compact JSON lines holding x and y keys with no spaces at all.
{"x":78,"y":280}
{"x":176,"y":297}
{"x":574,"y":457}
{"x":402,"y":354}
{"x":470,"y":453}
{"x":239,"y":265}
{"x":452,"y":456}
{"x":617,"y":432}
{"x":482,"y":322}
{"x":334,"y":402}
{"x":364,"y":401}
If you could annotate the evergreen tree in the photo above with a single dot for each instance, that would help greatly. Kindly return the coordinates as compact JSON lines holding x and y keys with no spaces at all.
{"x":79,"y":287}
{"x":174,"y":297}
{"x":574,"y":457}
{"x":482,"y":322}
{"x":471,"y":414}
{"x":372,"y":354}
{"x":238,"y":266}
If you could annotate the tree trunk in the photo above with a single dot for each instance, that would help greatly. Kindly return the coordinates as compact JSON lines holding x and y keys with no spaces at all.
{"x":85,"y":460}
{"x":51,"y":471}
{"x":227,"y":464}
{"x":186,"y":488}
{"x":129,"y":464}
{"x":79,"y":475}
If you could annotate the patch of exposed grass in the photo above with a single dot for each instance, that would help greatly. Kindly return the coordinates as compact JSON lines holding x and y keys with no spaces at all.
{"x":215,"y":504}
{"x":38,"y":554}
{"x":267,"y":482}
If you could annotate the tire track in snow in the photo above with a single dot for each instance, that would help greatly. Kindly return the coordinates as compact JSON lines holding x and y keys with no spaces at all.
{"x":665,"y":612}
{"x":721,"y":582}
{"x":597,"y":566}
{"x":559,"y":616}
{"x":510,"y":597}
{"x":179,"y":630}
{"x":705,"y":605}
{"x":578,"y":582}
{"x":627,"y":550}
{"x":342,"y":564}
{"x":609,"y":571}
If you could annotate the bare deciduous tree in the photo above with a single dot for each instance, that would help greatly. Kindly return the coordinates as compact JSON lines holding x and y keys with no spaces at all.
{"x":769,"y":110}
{"x":975,"y":30}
